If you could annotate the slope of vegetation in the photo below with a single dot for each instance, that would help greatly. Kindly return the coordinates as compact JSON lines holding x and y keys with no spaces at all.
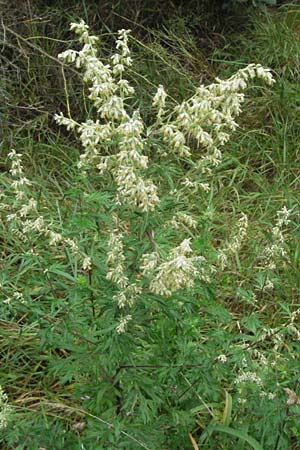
{"x":213,"y":365}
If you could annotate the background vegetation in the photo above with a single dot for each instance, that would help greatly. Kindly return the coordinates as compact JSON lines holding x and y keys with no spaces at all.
{"x":50,"y":360}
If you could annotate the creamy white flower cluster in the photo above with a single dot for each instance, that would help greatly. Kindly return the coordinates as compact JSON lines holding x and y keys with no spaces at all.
{"x":17,"y":296}
{"x":20,"y":182}
{"x":234,"y":244}
{"x":209,"y":116}
{"x":276,"y":250}
{"x":159,"y":101}
{"x":132,"y":187}
{"x":222,"y":358}
{"x":122,"y":325}
{"x":195,"y":185}
{"x":127,"y":291}
{"x":115,"y":260}
{"x":177,"y":272}
{"x":20,"y":186}
{"x":5,"y":409}
{"x":181,"y":221}
{"x":26,"y":218}
{"x":113,"y":142}
{"x":248,"y":377}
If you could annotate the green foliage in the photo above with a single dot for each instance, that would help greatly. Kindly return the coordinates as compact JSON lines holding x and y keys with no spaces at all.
{"x":72,"y":380}
{"x":254,"y":2}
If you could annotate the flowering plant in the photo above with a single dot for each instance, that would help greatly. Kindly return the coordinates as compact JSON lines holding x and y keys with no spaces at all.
{"x":115,"y":144}
{"x":117,"y":281}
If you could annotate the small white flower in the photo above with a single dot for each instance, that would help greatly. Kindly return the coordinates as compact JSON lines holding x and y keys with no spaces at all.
{"x":234,"y":244}
{"x":159,"y":100}
{"x":177,"y":272}
{"x":222,"y":358}
{"x":5,"y":409}
{"x":18,"y":296}
{"x":55,"y":238}
{"x":121,"y":327}
{"x":185,"y":246}
{"x":67,"y":122}
{"x":87,"y":264}
{"x":34,"y":225}
{"x":248,"y":377}
{"x":72,"y":245}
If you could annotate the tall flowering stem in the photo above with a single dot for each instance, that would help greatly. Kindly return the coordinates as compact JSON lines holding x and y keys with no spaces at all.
{"x":5,"y":409}
{"x":116,"y":143}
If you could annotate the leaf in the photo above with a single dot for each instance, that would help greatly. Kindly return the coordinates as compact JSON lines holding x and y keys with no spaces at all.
{"x":239,"y":434}
{"x":82,"y":224}
{"x":66,"y":275}
{"x":220,"y":313}
{"x":270,"y":2}
{"x":98,"y":199}
{"x":251,"y":323}
{"x":227,"y":410}
{"x":203,"y":409}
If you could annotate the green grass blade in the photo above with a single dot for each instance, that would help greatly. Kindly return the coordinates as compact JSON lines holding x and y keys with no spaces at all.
{"x":239,"y":434}
{"x":227,"y":410}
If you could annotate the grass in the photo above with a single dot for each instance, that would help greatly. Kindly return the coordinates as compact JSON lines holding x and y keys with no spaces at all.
{"x":48,"y":364}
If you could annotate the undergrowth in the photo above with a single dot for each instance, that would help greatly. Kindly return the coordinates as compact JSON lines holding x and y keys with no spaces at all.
{"x":214,"y":366}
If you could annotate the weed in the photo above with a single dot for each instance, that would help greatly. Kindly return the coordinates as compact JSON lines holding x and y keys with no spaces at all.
{"x":101,"y":346}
